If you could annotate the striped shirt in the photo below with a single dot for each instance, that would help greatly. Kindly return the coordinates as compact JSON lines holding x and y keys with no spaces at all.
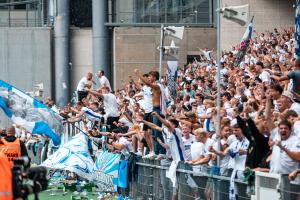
{"x":92,"y":116}
{"x":174,"y":141}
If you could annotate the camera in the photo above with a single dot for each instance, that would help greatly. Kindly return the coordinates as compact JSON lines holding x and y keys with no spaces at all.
{"x":27,"y":180}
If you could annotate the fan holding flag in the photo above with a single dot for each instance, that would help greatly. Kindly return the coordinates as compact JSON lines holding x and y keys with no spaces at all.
{"x":244,"y":43}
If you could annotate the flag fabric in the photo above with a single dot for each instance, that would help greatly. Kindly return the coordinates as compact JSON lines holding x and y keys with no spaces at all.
{"x":171,"y":78}
{"x":244,"y":43}
{"x":106,"y":171}
{"x":73,"y":156}
{"x":29,"y":113}
{"x":123,"y":174}
{"x":297,"y":30}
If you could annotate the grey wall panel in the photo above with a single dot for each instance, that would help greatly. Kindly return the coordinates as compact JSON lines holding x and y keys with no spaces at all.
{"x":25,"y":59}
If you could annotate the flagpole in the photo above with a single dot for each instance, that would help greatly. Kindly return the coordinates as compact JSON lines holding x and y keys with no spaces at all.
{"x":218,"y":76}
{"x":161,"y":48}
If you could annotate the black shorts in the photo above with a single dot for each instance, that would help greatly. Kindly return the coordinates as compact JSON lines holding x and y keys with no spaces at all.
{"x":147,"y":117}
{"x":82,"y":95}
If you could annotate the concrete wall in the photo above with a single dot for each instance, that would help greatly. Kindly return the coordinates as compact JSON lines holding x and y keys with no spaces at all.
{"x":81,"y":53}
{"x":25,"y":58}
{"x":137,"y":48}
{"x":268,"y":14}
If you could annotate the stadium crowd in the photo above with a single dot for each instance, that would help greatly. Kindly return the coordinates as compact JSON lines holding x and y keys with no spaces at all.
{"x":259,"y":114}
{"x":260,"y":109}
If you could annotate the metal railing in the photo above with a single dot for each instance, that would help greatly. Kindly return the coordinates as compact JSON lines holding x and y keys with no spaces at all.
{"x":153,"y":184}
{"x":26,"y":13}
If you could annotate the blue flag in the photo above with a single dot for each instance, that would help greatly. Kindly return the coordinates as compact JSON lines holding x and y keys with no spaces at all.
{"x":244,"y":43}
{"x":73,"y":156}
{"x":297,"y":29}
{"x":29,"y":113}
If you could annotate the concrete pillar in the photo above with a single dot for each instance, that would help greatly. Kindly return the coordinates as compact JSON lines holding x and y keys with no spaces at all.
{"x":61,"y":36}
{"x":101,"y":38}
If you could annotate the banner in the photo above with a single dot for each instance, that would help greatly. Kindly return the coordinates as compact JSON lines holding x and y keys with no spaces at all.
{"x":244,"y":44}
{"x":171,"y":78}
{"x":73,"y":156}
{"x":106,"y":171}
{"x":29,"y":113}
{"x":297,"y":30}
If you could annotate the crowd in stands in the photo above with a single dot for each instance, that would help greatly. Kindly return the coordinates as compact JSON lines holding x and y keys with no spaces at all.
{"x":260,"y":110}
{"x":260,"y":125}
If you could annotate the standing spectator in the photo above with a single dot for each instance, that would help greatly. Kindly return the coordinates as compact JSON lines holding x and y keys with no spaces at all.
{"x":84,"y":83}
{"x":188,"y":90}
{"x":263,"y":75}
{"x":286,"y":151}
{"x":111,"y":106}
{"x":288,"y":99}
{"x":104,"y":82}
{"x":208,"y":117}
{"x":89,"y":113}
{"x":276,"y":91}
{"x":158,"y":105}
{"x":294,"y":75}
{"x":11,"y":146}
{"x":188,"y":139}
{"x":205,"y":156}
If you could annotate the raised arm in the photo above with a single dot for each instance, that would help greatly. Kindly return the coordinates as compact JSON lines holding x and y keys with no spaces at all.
{"x":270,"y":121}
{"x":130,"y":133}
{"x":95,"y":93}
{"x":152,"y":126}
{"x":280,"y":78}
{"x":76,"y":119}
{"x":145,"y":80}
{"x":163,"y":121}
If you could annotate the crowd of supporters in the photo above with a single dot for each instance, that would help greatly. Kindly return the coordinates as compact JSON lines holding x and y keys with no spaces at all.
{"x":260,"y":109}
{"x":260,"y":106}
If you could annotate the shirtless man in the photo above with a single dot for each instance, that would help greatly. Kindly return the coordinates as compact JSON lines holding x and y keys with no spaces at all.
{"x":151,"y":81}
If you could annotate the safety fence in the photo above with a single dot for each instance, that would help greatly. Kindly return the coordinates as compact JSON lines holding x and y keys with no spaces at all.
{"x":152,"y":184}
{"x":193,"y":183}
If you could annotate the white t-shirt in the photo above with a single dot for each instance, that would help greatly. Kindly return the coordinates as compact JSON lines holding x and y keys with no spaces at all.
{"x":223,"y":71}
{"x":111,"y":105}
{"x":227,"y":105}
{"x":209,"y":123}
{"x":197,"y":150}
{"x":296,"y":129}
{"x":82,"y":83}
{"x":295,"y":107}
{"x":201,"y":110}
{"x":127,"y":146}
{"x":175,"y":144}
{"x":147,"y":103}
{"x":281,"y":163}
{"x":237,"y":161}
{"x":104,"y":82}
{"x":265,"y":77}
{"x":224,"y":160}
{"x":91,"y":116}
{"x":187,"y":146}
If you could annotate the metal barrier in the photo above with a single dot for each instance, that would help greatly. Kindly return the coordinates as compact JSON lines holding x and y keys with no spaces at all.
{"x":153,"y":184}
{"x":289,"y":190}
{"x":275,"y":186}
